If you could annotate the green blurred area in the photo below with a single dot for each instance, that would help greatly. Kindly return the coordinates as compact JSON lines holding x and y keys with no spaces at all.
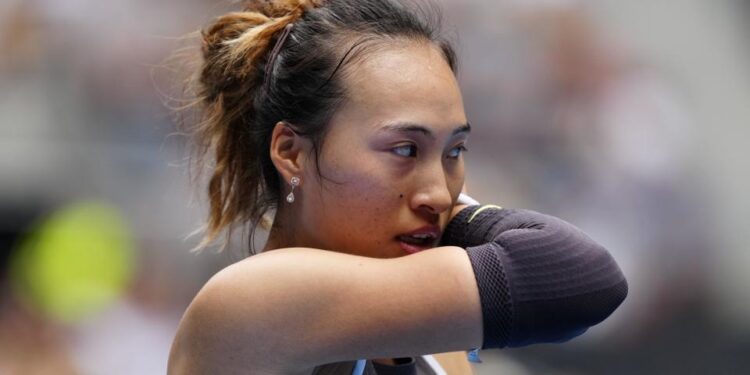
{"x":74,"y":262}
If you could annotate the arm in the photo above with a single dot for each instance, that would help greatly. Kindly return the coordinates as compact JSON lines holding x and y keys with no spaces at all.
{"x":540,"y":279}
{"x":289,"y":310}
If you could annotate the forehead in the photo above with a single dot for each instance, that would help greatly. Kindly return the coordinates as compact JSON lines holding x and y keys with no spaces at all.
{"x":404,"y":81}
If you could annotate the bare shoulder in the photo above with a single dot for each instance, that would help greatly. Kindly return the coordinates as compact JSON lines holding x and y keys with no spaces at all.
{"x":454,"y":363}
{"x":288,"y":310}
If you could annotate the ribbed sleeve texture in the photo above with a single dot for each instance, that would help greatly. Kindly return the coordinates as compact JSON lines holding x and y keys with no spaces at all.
{"x":540,"y":278}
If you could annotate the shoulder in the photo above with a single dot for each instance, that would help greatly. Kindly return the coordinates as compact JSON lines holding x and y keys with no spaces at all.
{"x":238,"y":315}
{"x":266,"y":311}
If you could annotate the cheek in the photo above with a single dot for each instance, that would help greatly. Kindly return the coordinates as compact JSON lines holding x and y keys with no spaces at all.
{"x":363,"y":187}
{"x":359,"y":203}
{"x":456,"y":179}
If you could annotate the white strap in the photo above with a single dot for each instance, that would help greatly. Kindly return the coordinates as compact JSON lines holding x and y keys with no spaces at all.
{"x":467,"y":200}
{"x":359,"y":368}
{"x":434,"y":365}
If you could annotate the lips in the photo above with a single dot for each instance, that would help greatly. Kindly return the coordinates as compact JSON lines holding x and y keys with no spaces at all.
{"x":420,"y":239}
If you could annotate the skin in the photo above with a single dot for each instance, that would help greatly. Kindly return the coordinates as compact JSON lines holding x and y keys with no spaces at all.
{"x":249,"y":318}
{"x":384,"y":180}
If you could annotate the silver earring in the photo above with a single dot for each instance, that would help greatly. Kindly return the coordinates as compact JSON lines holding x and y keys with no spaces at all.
{"x":295,"y":183}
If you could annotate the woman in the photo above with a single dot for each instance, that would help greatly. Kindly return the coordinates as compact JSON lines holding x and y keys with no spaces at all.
{"x":345,"y":118}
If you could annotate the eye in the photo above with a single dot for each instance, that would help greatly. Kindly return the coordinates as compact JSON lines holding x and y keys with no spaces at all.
{"x":455,"y":152}
{"x":407,"y":151}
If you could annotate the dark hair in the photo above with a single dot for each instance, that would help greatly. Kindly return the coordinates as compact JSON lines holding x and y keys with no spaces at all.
{"x":304,"y":87}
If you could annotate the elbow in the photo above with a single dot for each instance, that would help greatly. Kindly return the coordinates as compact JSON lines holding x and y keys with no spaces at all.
{"x":606,"y":295}
{"x":561,"y":285}
{"x":595,"y":284}
{"x":556,"y":319}
{"x":560,"y":320}
{"x":541,"y":279}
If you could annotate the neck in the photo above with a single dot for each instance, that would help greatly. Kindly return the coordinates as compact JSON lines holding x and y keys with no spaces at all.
{"x":282,"y":233}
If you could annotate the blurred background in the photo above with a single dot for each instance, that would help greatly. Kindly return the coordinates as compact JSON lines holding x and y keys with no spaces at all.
{"x":630,"y":119}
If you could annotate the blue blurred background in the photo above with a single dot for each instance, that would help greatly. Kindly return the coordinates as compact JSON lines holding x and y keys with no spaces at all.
{"x":630,"y":119}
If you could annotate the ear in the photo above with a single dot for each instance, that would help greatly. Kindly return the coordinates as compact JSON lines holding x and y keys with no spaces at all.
{"x":289,"y":151}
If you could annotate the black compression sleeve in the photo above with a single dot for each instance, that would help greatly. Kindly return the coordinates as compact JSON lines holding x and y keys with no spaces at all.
{"x":540,"y":278}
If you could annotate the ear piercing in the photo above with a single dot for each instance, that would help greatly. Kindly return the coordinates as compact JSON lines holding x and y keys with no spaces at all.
{"x":294,"y":182}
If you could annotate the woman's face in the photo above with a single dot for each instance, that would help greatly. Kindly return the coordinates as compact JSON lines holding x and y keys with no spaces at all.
{"x":391,"y":161}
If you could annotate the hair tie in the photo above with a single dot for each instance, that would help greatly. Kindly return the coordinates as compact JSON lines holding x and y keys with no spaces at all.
{"x":274,"y":54}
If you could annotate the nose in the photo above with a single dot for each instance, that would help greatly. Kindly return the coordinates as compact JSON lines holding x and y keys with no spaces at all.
{"x":432,"y":194}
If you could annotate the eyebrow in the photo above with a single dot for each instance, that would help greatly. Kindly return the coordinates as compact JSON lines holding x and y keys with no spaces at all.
{"x":410,"y":127}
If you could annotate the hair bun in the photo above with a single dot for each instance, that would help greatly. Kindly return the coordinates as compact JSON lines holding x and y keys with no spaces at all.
{"x":279,"y":8}
{"x":219,"y":69}
{"x":233,"y":44}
